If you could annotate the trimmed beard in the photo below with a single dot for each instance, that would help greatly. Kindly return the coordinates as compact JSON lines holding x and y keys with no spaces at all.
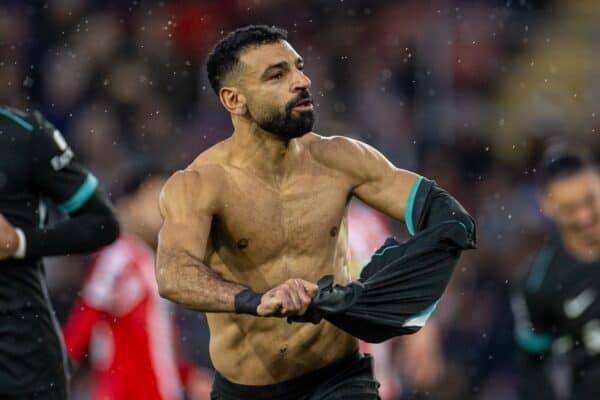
{"x":286,"y":124}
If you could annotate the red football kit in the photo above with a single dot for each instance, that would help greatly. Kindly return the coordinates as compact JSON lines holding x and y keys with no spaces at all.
{"x":124,"y":326}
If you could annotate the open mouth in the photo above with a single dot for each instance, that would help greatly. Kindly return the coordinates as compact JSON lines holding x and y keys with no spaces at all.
{"x":304,"y":105}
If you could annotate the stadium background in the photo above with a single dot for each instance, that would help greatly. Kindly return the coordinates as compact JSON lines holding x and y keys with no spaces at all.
{"x":465,"y":92}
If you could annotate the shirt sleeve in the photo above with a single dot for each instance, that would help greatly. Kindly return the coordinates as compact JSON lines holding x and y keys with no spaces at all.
{"x":535,"y":344}
{"x":529,"y":335}
{"x":56,"y":171}
{"x":532,"y":307}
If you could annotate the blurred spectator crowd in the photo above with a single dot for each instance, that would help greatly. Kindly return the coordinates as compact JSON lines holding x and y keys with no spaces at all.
{"x":464,"y":92}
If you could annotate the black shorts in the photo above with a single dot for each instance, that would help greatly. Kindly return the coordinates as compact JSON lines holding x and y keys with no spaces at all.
{"x":351,"y":378}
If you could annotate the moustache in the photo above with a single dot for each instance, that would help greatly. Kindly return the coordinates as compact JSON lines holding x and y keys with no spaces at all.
{"x":302,"y":96}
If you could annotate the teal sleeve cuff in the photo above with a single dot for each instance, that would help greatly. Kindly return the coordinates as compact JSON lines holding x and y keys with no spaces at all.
{"x":408,"y":214}
{"x":533,"y":342}
{"x":83,"y":194}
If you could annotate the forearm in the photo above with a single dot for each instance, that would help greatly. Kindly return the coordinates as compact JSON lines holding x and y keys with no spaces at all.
{"x":194,"y":285}
{"x":81,"y":234}
{"x":93,"y":226}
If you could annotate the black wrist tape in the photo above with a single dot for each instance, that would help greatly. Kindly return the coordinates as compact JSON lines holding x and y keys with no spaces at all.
{"x":247,"y":301}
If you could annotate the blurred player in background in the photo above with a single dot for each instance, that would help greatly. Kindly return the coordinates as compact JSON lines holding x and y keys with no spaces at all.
{"x":120,"y":318}
{"x":557,"y":310}
{"x":37,"y":165}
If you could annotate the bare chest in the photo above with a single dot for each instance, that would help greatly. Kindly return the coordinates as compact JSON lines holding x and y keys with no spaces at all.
{"x":261,"y":222}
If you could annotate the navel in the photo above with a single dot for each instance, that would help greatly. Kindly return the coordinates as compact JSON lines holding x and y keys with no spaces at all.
{"x":333,"y":231}
{"x":242,"y":244}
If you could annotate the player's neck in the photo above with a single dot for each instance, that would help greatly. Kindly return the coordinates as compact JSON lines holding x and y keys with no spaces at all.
{"x":258,"y":149}
{"x":587,"y":251}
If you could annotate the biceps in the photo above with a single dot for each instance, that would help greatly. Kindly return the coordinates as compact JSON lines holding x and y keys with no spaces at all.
{"x":189,"y":238}
{"x":179,"y":246}
{"x":388,"y":192}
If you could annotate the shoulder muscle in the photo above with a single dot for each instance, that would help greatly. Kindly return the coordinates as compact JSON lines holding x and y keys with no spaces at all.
{"x":192,"y":191}
{"x":357,"y":159}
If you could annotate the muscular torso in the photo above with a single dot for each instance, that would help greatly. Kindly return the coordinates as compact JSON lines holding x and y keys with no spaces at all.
{"x":268,"y":231}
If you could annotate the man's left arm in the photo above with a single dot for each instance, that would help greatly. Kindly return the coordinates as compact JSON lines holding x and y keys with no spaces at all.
{"x":417,"y":201}
{"x":421,"y":204}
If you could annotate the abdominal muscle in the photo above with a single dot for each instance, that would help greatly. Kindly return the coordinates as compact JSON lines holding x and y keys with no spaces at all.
{"x":260,"y":351}
{"x":253,"y":350}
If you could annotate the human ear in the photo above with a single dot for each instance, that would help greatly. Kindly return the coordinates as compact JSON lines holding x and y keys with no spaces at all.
{"x":233,"y":100}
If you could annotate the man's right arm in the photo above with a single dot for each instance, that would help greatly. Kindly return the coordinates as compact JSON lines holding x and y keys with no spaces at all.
{"x":188,"y":203}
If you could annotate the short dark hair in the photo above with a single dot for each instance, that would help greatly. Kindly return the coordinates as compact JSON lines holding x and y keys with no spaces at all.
{"x":561,"y":163}
{"x":224,"y":57}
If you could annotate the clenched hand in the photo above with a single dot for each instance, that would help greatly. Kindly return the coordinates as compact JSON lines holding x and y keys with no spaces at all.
{"x":290,"y":298}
